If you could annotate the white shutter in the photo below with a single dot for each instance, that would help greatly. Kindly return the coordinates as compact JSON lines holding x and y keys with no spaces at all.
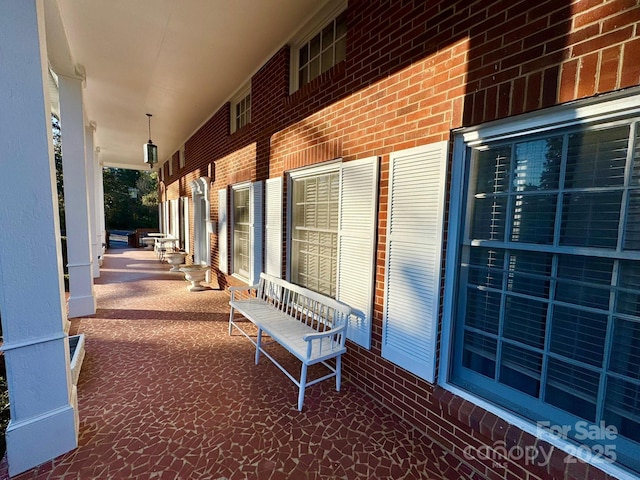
{"x":255,"y":231}
{"x":187,"y":233}
{"x":414,"y":246}
{"x":273,"y":227}
{"x":223,"y":251}
{"x":356,"y":244}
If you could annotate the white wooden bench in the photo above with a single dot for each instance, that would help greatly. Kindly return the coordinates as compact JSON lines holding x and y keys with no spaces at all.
{"x":309,"y":325}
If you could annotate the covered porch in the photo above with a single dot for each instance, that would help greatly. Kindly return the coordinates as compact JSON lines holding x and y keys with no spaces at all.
{"x":165,"y":392}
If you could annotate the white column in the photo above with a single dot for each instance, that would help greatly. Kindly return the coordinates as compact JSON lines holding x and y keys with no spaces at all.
{"x":82,"y":300}
{"x":100,"y":201}
{"x":90,"y":161}
{"x":44,"y":421}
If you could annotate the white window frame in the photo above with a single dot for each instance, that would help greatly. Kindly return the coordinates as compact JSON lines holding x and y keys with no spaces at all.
{"x":314,"y":25}
{"x":234,"y":188}
{"x":170,"y":161}
{"x":607,"y":107}
{"x":239,"y":96}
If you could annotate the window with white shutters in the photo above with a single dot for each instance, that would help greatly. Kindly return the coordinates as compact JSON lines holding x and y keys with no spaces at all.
{"x":414,"y":245}
{"x":547,"y":319}
{"x":333,"y":236}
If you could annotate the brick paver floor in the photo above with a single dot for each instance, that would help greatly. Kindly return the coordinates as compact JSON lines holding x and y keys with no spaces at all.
{"x":166,"y":393}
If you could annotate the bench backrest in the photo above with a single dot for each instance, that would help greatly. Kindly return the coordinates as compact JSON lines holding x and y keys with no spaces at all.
{"x":318,"y":311}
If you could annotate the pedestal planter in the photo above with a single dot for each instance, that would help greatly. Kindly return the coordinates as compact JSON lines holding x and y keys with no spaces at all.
{"x":175,"y":259}
{"x":195,"y":274}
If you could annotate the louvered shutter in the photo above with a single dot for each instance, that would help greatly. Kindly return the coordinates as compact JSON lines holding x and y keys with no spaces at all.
{"x":413,"y":253}
{"x":273,"y":227}
{"x":187,"y":232}
{"x":255,"y":231}
{"x":356,"y":244}
{"x":223,"y":251}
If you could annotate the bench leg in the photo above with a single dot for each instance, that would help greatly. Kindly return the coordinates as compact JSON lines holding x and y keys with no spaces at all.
{"x":338,"y":372}
{"x":258,"y":345}
{"x":231,"y":321}
{"x":303,"y":384}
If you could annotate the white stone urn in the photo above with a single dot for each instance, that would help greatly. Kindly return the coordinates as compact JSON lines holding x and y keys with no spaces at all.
{"x":195,"y":274}
{"x":175,"y":259}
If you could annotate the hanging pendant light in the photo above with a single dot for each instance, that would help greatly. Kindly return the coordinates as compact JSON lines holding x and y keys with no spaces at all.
{"x":150,"y":150}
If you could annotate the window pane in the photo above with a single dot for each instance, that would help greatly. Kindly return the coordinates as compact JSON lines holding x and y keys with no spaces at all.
{"x":314,"y":68}
{"x":584,"y":281}
{"x":486,"y":267}
{"x":529,"y":273}
{"x":572,"y":388}
{"x":493,"y":170}
{"x":590,"y":219}
{"x":479,"y":354}
{"x":327,"y":36}
{"x":521,"y":369}
{"x":537,"y":164}
{"x":489,"y":218}
{"x":625,"y":354}
{"x":303,"y":76}
{"x":303,"y":55}
{"x":578,"y":335}
{"x":533,"y":218}
{"x":327,"y":59}
{"x":632,"y":230}
{"x":525,"y":320}
{"x":314,"y":46}
{"x":622,"y":407}
{"x":341,"y":25}
{"x":597,"y":158}
{"x":628,"y":301}
{"x":483,"y":310}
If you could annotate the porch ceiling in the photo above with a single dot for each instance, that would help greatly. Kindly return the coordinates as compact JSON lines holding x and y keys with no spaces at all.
{"x":178,"y":60}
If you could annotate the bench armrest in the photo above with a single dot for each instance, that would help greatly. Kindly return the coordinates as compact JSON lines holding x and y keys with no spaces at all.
{"x":328,"y":335}
{"x":248,"y":289}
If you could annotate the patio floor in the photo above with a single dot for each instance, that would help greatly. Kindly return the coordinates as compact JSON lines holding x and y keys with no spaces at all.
{"x":166,"y":393}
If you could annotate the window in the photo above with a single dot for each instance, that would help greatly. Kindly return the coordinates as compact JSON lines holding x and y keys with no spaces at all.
{"x":241,"y":109}
{"x":332,"y":239}
{"x":547,"y":319}
{"x":320,"y":45}
{"x":314,"y":226}
{"x":241,"y":241}
{"x":182,"y":157}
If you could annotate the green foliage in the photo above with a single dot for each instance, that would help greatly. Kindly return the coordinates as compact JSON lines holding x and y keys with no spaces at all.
{"x":57,"y":152}
{"x":123,"y":212}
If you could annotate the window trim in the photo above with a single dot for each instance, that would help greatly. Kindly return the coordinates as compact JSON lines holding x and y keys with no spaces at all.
{"x":240,"y":95}
{"x":610,"y":107}
{"x":316,"y":23}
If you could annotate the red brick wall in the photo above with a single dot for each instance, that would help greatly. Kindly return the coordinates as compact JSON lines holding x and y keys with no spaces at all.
{"x":414,"y":71}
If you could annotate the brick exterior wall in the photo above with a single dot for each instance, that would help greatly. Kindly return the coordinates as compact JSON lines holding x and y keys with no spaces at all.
{"x":413,"y":72}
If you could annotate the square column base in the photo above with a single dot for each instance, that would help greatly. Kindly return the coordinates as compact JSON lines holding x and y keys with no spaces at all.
{"x":43,"y":438}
